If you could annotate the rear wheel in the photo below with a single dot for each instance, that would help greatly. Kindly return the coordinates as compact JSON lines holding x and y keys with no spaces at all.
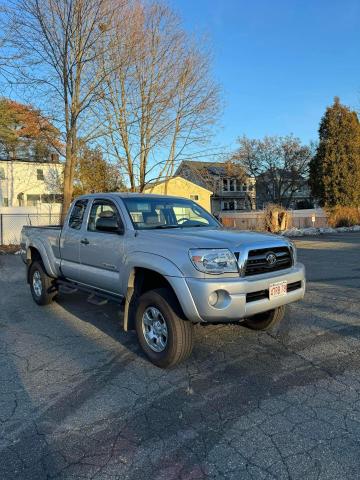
{"x":265,"y":320}
{"x":165,"y":337}
{"x":42,"y":286}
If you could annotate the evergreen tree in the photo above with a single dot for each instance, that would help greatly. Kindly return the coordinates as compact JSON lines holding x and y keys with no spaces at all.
{"x":335,"y":168}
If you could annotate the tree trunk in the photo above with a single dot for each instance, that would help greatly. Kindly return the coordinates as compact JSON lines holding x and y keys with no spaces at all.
{"x":68,"y":183}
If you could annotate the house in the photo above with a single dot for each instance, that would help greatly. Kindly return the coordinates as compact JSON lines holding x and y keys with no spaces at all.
{"x":232,"y":188}
{"x":30,"y":182}
{"x":289,"y":189}
{"x":181,"y":187}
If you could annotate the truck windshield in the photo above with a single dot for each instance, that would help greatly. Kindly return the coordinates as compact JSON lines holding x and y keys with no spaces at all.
{"x":161,"y":213}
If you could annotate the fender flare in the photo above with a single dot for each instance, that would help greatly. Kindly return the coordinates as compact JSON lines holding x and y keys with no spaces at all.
{"x":163,"y":266}
{"x":38,"y":245}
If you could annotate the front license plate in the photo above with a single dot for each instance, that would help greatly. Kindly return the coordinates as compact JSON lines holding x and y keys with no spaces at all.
{"x":278,"y":289}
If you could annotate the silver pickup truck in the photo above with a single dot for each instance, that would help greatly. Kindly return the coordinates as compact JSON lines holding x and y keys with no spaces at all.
{"x":169,"y":261}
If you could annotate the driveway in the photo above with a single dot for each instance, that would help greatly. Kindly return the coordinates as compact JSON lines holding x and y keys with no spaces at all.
{"x":79,"y":400}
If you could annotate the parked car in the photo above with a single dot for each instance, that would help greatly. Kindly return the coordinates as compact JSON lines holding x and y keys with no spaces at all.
{"x":169,"y":261}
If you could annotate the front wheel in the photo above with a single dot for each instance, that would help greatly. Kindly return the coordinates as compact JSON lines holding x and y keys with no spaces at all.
{"x":265,"y":320}
{"x":165,"y":337}
{"x":41,"y":285}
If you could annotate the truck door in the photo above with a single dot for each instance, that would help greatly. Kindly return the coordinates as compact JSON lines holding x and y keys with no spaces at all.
{"x":70,"y":240}
{"x":102,"y":247}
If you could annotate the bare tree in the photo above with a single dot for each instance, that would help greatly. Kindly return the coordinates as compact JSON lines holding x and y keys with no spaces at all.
{"x":158,"y":100}
{"x":280,"y":166}
{"x":60,"y":41}
{"x":8,"y":57}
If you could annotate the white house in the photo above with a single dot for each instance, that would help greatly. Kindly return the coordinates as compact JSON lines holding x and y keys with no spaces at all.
{"x":31,"y":183}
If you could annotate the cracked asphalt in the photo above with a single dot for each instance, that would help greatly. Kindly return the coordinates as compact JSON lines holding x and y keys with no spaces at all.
{"x":78,"y":400}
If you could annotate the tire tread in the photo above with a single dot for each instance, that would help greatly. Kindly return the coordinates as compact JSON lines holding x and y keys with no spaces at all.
{"x":182,"y":344}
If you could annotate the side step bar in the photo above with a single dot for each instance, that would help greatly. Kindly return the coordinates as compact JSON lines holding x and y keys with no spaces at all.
{"x":96,"y":296}
{"x":67,"y":289}
{"x":97,"y":300}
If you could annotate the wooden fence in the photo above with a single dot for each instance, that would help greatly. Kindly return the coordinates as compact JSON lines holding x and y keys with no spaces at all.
{"x":255,"y":220}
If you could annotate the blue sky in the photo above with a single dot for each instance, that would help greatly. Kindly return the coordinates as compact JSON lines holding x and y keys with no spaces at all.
{"x":279,"y":62}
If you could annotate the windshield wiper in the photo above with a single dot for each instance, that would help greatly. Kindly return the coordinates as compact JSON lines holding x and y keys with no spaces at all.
{"x":167,"y":226}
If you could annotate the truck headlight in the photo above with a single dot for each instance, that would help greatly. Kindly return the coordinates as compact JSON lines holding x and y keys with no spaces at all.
{"x":214,"y":260}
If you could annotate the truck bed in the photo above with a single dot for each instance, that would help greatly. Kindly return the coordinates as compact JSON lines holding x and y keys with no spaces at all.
{"x":46,"y":235}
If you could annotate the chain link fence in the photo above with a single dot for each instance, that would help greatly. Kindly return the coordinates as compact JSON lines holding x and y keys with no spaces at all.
{"x":12,"y":223}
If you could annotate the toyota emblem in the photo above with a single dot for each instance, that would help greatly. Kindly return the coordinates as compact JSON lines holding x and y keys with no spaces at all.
{"x":271,"y":258}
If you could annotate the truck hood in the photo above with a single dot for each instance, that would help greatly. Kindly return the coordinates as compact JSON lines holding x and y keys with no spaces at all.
{"x":207,"y":238}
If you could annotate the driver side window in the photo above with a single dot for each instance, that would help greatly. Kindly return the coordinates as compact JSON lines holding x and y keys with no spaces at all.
{"x":103,"y":212}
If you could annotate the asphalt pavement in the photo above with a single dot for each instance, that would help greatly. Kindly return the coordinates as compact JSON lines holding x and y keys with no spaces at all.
{"x":78,"y":399}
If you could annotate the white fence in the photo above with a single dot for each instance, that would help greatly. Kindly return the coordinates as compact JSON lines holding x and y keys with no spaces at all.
{"x":12,"y":220}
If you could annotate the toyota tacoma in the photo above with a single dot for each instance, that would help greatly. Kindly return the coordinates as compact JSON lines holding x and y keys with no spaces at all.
{"x":169,"y":261}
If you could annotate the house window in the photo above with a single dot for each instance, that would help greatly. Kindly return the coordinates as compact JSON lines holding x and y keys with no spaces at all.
{"x":244,"y":187}
{"x":240,"y":204}
{"x":194,"y":197}
{"x":51,"y":198}
{"x":2,"y":173}
{"x":47,"y":198}
{"x":225,"y":185}
{"x":232,"y":185}
{"x":32,"y":200}
{"x":40,"y":174}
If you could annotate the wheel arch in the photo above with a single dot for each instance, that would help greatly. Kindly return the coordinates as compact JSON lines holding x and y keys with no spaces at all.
{"x":37,"y":252}
{"x":142,"y":280}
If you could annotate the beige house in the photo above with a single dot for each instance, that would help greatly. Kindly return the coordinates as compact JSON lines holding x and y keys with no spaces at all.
{"x":180,"y":187}
{"x":29,"y":183}
{"x":232,"y":189}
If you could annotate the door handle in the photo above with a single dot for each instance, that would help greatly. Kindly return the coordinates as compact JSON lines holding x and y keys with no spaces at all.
{"x":84,"y":241}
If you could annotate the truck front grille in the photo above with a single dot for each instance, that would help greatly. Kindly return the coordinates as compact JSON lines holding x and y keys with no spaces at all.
{"x":266,"y":260}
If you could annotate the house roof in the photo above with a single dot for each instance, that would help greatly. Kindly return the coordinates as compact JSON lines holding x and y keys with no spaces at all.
{"x":154,"y":184}
{"x":226,"y":169}
{"x":285,"y":175}
{"x":216,"y":168}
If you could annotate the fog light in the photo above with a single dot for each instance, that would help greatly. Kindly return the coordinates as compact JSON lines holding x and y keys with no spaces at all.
{"x":213,"y":298}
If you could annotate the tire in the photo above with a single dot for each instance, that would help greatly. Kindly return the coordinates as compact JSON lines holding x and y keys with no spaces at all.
{"x":42,"y":286}
{"x":172,"y":344}
{"x":265,"y":320}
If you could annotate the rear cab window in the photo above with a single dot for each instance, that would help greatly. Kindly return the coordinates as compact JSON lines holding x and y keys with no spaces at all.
{"x":77,"y":214}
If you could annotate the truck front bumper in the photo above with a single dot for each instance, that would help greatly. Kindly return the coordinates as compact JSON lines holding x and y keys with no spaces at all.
{"x":238,"y":298}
